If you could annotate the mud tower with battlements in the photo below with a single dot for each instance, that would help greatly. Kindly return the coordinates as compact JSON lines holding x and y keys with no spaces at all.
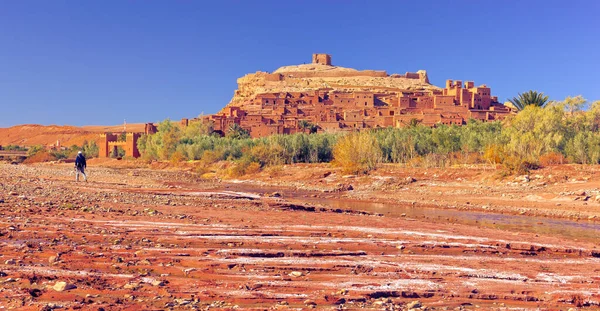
{"x":322,"y":59}
{"x":109,"y":142}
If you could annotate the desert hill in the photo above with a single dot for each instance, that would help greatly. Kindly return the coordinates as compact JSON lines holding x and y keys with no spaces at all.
{"x":34,"y":134}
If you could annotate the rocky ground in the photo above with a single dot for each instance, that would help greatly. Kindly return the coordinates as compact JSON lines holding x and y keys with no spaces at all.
{"x":562,"y":191}
{"x":133,"y":239}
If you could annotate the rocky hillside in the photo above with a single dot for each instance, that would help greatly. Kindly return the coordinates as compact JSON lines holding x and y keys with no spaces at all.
{"x":308,"y":77}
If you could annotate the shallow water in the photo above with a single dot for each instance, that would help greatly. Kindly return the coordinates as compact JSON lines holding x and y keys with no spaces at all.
{"x":581,"y":230}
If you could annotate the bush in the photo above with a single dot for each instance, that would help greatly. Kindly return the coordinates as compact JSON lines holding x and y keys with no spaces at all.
{"x":517,"y":165}
{"x":90,"y":149}
{"x":493,"y":154}
{"x":176,"y":158}
{"x":552,"y":158}
{"x":243,"y":167}
{"x":357,"y":153}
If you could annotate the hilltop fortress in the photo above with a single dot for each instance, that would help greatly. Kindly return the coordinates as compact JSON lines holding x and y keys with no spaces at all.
{"x":343,"y":99}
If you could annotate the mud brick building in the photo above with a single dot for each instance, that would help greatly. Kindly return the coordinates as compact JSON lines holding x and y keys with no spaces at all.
{"x":354,"y":108}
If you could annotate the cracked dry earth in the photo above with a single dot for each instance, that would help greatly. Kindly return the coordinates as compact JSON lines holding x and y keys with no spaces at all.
{"x":131,"y":240}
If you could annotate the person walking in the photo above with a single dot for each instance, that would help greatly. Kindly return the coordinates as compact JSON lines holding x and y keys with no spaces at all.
{"x":80,"y":166}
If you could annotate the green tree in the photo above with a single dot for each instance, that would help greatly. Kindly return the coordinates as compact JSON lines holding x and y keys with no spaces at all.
{"x":529,"y":98}
{"x":235,"y":131}
{"x":573,"y":104}
{"x":90,"y":149}
{"x":33,"y":150}
{"x":307,"y":126}
{"x":198,"y":128}
{"x":414,"y":122}
{"x":536,"y":131}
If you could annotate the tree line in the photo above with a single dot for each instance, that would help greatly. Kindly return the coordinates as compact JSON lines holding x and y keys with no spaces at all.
{"x":541,"y":133}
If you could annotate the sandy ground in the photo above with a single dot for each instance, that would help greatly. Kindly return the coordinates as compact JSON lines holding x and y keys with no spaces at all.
{"x":134,"y":238}
{"x":34,"y":134}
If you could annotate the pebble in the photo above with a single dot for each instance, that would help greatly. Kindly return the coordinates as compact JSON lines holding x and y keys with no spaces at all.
{"x":63,"y":286}
{"x":52,"y":259}
{"x":131,"y":286}
{"x":295,"y":274}
{"x":158,"y":283}
{"x":414,"y":304}
{"x":310,"y":302}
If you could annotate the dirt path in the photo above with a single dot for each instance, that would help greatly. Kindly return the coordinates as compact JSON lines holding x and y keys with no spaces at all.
{"x":139,"y":239}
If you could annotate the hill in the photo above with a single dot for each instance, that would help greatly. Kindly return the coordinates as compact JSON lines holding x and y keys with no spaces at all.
{"x":35,"y":134}
{"x":321,"y":74}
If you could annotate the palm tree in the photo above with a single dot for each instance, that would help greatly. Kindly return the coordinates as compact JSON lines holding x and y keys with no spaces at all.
{"x":529,"y":98}
{"x":235,"y":131}
{"x":306,"y":125}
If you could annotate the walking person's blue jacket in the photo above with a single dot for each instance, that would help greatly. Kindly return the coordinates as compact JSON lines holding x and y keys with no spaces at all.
{"x":80,"y":166}
{"x":80,"y":161}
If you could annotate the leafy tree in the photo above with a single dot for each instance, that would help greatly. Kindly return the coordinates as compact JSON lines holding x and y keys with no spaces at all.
{"x":536,"y":131}
{"x":90,"y":149}
{"x":307,"y":126}
{"x":529,"y":98}
{"x":198,"y":128}
{"x":357,"y":152}
{"x":33,"y":150}
{"x":414,"y":122}
{"x":118,"y":152}
{"x":573,"y":104}
{"x":235,"y":131}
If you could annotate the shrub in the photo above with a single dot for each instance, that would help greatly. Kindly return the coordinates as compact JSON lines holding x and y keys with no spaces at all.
{"x":552,"y":158}
{"x":267,"y":155}
{"x":493,"y":154}
{"x":177,"y":157}
{"x":516,"y":165}
{"x":243,"y":167}
{"x":357,"y":153}
{"x":211,"y":156}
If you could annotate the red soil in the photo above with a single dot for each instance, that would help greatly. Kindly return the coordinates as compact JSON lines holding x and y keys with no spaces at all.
{"x":135,"y":239}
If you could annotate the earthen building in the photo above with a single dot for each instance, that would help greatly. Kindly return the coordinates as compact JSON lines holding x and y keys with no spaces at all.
{"x":344,"y":109}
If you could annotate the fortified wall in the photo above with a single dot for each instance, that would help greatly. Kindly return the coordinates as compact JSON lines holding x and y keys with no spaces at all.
{"x":109,"y":142}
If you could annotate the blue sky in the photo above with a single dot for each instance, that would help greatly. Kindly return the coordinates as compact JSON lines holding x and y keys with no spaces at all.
{"x":100,"y":62}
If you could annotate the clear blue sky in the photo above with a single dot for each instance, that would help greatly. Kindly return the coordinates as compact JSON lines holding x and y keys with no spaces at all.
{"x":99,"y":62}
